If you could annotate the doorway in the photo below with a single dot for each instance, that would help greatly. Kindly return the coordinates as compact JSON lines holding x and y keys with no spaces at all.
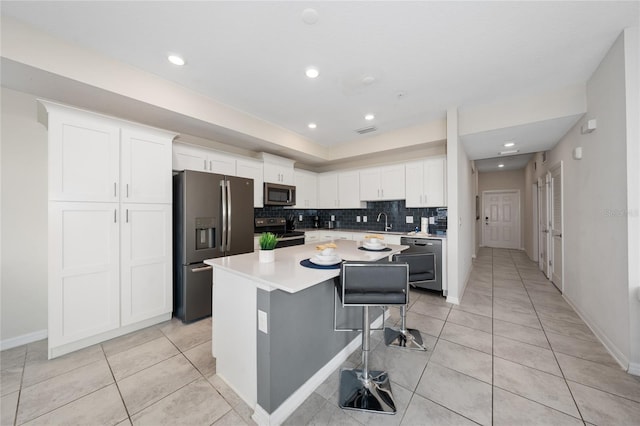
{"x":556,"y":246}
{"x":501,"y":226}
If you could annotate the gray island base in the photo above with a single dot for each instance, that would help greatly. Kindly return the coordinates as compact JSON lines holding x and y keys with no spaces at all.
{"x":273,"y":326}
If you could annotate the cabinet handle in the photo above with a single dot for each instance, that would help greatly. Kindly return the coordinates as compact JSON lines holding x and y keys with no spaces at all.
{"x":127,"y":190}
{"x":115,"y":219}
{"x":205,"y":164}
{"x":382,"y":192}
{"x":210,"y":165}
{"x":115,"y":194}
{"x":127,"y":215}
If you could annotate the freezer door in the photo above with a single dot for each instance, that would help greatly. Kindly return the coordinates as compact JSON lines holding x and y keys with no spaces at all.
{"x":240,"y":215}
{"x":192,"y":298}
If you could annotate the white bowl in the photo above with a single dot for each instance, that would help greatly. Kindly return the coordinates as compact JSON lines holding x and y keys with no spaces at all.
{"x":374,"y":242}
{"x":328,"y":251}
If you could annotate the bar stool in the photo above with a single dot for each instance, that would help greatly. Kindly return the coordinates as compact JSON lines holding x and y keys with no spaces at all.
{"x":370,"y":284}
{"x":408,"y":338}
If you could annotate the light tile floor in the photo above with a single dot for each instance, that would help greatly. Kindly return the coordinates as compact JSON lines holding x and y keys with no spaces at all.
{"x":513,"y":352}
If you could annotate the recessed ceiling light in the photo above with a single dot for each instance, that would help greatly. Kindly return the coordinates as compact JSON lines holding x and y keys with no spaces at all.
{"x":312,"y":125}
{"x":509,"y":144}
{"x":312,"y":72}
{"x":176,"y":60}
{"x":500,"y":165}
{"x":510,"y":151}
{"x":369,"y":117}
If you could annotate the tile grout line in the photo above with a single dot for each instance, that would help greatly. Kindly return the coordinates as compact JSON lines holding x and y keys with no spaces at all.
{"x":24,"y":366}
{"x":493,"y":371}
{"x":550,"y":346}
{"x":124,"y":404}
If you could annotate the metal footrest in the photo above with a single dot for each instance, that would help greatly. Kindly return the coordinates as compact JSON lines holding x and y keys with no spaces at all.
{"x":372,"y":393}
{"x":407,"y":339}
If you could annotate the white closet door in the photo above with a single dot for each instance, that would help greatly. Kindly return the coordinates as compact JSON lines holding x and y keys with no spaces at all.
{"x":555,"y":211}
{"x":146,"y":166}
{"x":84,"y":158}
{"x":146,"y":278}
{"x":84,"y":296}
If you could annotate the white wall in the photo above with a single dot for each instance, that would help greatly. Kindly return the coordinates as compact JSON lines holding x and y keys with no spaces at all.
{"x":595,"y":236}
{"x":24,"y":219}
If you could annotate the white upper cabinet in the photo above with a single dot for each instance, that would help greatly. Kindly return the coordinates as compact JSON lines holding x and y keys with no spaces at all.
{"x":382,"y":183}
{"x":306,"y":190}
{"x":427,"y":180}
{"x":254,"y":170}
{"x":146,"y":166}
{"x":190,"y":157}
{"x":98,"y":159}
{"x":339,"y":190}
{"x":278,"y":169}
{"x":84,"y":157}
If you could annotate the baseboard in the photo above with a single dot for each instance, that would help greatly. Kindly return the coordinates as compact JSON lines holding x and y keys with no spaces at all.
{"x":14,"y":342}
{"x":634,"y":368}
{"x":602,"y":337}
{"x":263,"y":418}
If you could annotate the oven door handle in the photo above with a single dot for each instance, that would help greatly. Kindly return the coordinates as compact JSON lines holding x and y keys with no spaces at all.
{"x":301,"y":237}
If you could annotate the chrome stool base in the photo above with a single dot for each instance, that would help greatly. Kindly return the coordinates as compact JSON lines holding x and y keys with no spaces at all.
{"x":373,"y":395}
{"x":406,"y":339}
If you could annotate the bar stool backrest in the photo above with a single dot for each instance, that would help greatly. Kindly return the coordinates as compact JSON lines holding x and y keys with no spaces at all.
{"x":374,"y":284}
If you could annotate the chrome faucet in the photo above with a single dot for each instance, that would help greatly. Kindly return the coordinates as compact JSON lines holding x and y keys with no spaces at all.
{"x":386,"y":226}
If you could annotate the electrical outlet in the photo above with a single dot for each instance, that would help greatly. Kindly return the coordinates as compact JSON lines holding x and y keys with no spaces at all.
{"x":409,"y":219}
{"x":333,"y":218}
{"x":300,"y":218}
{"x":358,"y":219}
{"x":262,"y":321}
{"x":364,"y":219}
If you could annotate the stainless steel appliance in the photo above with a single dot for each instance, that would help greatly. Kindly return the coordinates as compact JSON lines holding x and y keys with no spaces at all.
{"x":278,"y":226}
{"x":212,"y":217}
{"x":276,"y":194}
{"x":431,"y":251}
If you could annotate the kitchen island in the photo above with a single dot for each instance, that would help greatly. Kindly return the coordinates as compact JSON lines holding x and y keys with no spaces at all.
{"x":273,"y":326}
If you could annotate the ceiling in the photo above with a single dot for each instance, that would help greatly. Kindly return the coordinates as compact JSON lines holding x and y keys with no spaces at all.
{"x":404,"y":62}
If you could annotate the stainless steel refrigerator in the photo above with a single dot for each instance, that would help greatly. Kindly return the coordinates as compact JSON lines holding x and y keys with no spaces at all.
{"x":213,"y":217}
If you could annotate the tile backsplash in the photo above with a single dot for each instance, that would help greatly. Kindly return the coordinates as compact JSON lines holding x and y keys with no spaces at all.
{"x":346,"y":218}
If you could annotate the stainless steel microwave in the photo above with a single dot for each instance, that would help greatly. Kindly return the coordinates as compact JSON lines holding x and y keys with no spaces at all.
{"x":276,"y":194}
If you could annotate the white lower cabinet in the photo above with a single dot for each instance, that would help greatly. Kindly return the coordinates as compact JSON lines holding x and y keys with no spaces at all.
{"x":145,"y":262}
{"x":84,"y":281}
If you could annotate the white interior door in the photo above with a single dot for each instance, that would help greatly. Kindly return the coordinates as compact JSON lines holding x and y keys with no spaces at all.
{"x":555,"y":216}
{"x":534,"y":232}
{"x":543,"y":261}
{"x":501,"y":219}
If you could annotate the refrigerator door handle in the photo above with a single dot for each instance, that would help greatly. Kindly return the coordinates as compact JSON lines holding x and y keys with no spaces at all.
{"x":224,"y":215}
{"x":229,"y":215}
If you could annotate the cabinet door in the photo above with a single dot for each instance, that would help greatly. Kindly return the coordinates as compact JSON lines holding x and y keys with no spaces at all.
{"x":306,"y":190}
{"x":349,"y":190}
{"x":146,"y":278}
{"x":370,"y":184}
{"x":392,"y":186}
{"x":279,"y":173}
{"x":84,"y":289}
{"x":145,"y":166}
{"x":84,"y":158}
{"x":187,"y":157}
{"x":221,"y":164}
{"x":434,"y":188}
{"x":415,"y":184}
{"x":253,"y":170}
{"x":327,"y":191}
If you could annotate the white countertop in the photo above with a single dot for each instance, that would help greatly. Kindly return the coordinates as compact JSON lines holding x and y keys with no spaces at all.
{"x":286,"y":273}
{"x":360,"y":231}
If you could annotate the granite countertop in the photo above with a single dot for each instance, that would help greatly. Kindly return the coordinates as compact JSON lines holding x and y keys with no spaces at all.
{"x":286,"y":273}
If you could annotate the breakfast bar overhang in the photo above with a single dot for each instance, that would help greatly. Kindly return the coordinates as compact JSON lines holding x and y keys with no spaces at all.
{"x":273,"y":326}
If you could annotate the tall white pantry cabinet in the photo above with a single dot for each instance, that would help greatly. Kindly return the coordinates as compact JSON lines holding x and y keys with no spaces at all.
{"x":110,"y":227}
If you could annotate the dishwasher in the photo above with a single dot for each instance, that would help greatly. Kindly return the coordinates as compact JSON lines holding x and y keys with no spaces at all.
{"x":430,"y":252}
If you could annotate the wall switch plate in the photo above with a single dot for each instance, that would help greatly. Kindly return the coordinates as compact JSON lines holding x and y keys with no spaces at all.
{"x":409,"y":219}
{"x":432,"y":220}
{"x":364,"y":218}
{"x":333,"y":218}
{"x":358,"y":219}
{"x":262,"y":321}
